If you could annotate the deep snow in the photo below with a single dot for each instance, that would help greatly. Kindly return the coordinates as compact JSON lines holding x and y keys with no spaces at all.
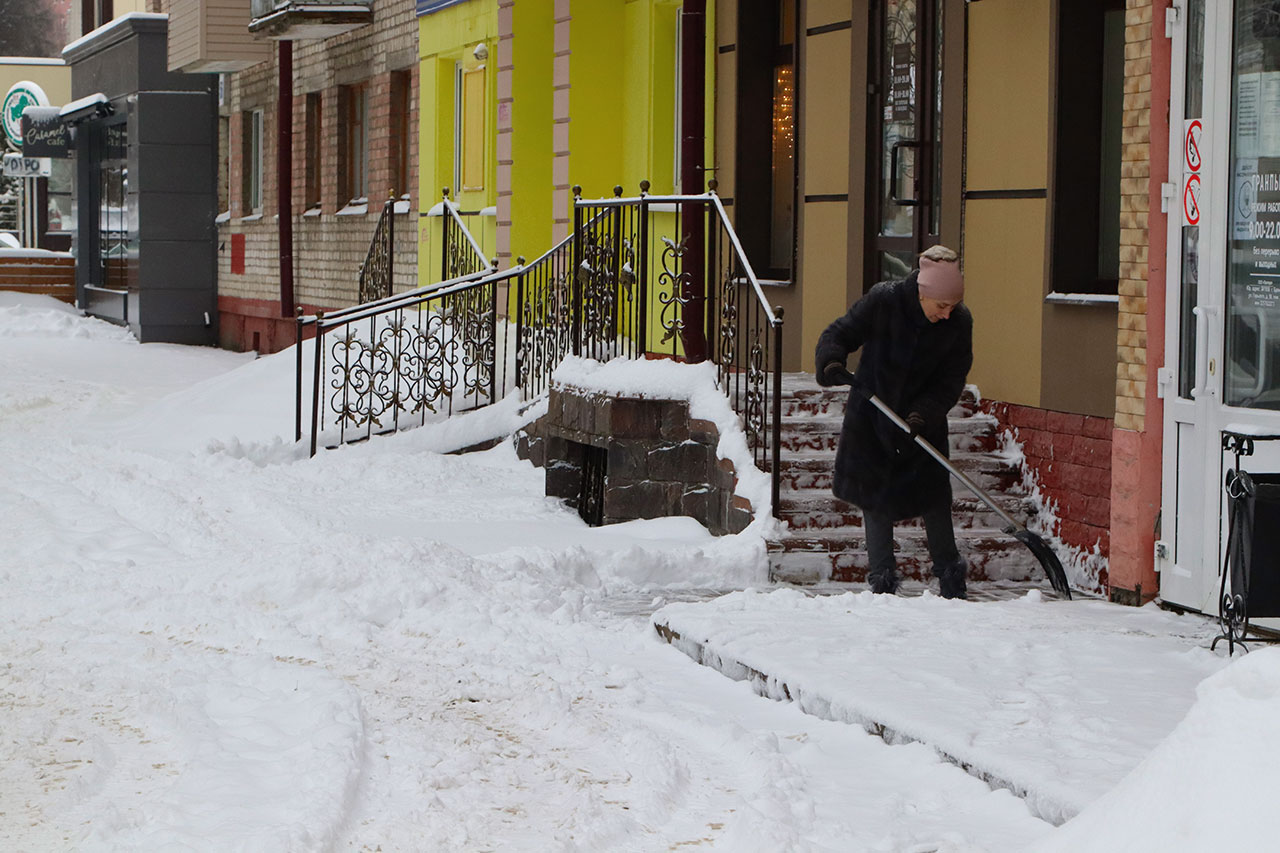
{"x":209,"y":641}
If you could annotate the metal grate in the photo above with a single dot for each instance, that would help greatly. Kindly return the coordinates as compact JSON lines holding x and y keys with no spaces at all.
{"x":595,"y":468}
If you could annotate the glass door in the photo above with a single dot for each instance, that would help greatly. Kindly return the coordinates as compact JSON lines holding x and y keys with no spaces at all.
{"x":905,"y":130}
{"x":1223,"y":329}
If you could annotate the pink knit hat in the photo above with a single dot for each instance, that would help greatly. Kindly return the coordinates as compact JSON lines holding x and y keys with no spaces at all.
{"x":941,"y":280}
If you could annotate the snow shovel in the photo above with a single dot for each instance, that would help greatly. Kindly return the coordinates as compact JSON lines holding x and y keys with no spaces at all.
{"x":1048,"y":560}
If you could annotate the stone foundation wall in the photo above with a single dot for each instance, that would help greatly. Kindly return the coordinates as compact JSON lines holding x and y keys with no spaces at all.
{"x":661,"y":462}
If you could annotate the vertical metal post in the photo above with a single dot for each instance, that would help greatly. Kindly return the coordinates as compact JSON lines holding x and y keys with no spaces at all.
{"x":297,"y":421}
{"x":712,"y":274}
{"x":693,"y":35}
{"x":315,"y":382}
{"x":575,"y":267}
{"x":493,"y":320}
{"x":642,"y":276}
{"x":519,"y":359}
{"x":775,"y":468}
{"x":391,"y":244}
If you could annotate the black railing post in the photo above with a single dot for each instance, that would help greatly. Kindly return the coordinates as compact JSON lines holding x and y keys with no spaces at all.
{"x":575,"y":260}
{"x":493,"y":337}
{"x":519,"y":359}
{"x":712,"y":283}
{"x":642,"y":276}
{"x":775,"y":471}
{"x":297,"y":420}
{"x":315,"y":382}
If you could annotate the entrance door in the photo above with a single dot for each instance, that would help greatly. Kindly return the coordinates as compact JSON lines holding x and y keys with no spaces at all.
{"x":1223,"y":328}
{"x":905,"y":129}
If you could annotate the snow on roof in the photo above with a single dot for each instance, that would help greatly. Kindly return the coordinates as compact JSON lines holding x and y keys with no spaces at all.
{"x":112,"y":25}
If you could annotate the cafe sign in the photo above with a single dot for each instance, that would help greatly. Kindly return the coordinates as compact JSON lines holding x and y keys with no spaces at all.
{"x":21,"y":95}
{"x":44,"y":133}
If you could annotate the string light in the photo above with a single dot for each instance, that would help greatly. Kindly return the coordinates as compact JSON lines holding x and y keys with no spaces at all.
{"x":783,"y":109}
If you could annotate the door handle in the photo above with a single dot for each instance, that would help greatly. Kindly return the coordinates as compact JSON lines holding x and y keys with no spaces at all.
{"x":1202,"y":314}
{"x":893,"y":172}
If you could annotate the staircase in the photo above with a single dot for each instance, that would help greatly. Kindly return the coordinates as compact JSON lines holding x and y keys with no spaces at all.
{"x":824,"y":538}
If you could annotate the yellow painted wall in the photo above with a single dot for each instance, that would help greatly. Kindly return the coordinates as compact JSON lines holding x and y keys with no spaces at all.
{"x":1008,"y":107}
{"x":531,"y":136}
{"x":1004,"y":245}
{"x":446,"y":38}
{"x":1004,"y":275}
{"x":54,"y":79}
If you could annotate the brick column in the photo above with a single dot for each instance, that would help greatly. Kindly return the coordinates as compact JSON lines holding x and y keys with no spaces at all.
{"x":506,"y":70}
{"x":1136,"y":444}
{"x":562,"y":196}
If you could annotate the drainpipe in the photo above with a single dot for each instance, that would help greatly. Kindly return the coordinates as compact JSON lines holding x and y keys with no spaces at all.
{"x":284,"y":175}
{"x":693,"y":28}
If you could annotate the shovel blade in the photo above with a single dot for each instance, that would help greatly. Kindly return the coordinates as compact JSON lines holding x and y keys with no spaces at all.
{"x":1048,"y":559}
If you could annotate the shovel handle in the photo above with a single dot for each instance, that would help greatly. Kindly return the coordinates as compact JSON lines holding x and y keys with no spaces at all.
{"x":844,"y":377}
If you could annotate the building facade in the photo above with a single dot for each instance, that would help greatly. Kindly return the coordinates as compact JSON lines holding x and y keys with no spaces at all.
{"x":354,"y":147}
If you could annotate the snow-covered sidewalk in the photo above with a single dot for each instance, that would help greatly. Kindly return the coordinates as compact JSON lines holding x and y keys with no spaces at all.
{"x":210,"y":642}
{"x":1054,"y":700}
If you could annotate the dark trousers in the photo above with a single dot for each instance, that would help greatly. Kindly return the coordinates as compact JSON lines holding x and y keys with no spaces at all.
{"x":938,"y":530}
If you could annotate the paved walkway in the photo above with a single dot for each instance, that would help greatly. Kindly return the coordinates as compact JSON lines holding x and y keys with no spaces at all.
{"x":1054,"y":700}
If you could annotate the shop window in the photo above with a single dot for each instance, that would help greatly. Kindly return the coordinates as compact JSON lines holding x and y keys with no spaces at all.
{"x":224,"y":163}
{"x":95,"y":13}
{"x":401,"y":127}
{"x":314,"y":133}
{"x":354,"y":106}
{"x":765,"y":173}
{"x":252,"y":160}
{"x":1090,"y":119}
{"x":469,"y":128}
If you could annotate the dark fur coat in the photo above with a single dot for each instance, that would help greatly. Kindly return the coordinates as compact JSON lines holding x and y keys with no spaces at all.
{"x":913,"y":366}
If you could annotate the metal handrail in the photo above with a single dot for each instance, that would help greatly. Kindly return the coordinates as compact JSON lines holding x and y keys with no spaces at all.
{"x":451,"y":210}
{"x":377,"y":271}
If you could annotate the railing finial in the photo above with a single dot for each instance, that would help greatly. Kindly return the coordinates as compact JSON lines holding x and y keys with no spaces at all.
{"x":617,"y":191}
{"x":520,"y":261}
{"x":391,"y":193}
{"x":777,"y":312}
{"x":712,"y":185}
{"x":577,"y":191}
{"x":446,"y":192}
{"x":644,"y":187}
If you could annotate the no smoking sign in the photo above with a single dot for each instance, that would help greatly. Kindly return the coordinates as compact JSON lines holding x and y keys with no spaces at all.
{"x":1191,"y":146}
{"x":1191,"y":201}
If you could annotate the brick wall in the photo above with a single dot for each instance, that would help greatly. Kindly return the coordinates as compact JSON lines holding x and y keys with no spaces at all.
{"x":328,"y":247}
{"x":1071,"y":457}
{"x":1131,"y":351}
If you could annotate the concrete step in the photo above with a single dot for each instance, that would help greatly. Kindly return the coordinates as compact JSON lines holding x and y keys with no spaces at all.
{"x":842,"y":557}
{"x":973,"y":438}
{"x":815,"y":471}
{"x":805,"y":510}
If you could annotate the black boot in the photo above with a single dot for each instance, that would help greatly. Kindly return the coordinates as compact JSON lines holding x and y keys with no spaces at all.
{"x":951,"y":579}
{"x":883,"y":583}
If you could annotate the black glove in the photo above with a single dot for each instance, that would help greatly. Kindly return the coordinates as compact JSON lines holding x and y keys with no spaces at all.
{"x":915,"y":420}
{"x":835,"y":373}
{"x":829,"y":374}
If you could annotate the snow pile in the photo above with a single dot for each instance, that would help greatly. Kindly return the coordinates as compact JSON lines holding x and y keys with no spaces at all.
{"x":1209,"y":786}
{"x":33,"y":316}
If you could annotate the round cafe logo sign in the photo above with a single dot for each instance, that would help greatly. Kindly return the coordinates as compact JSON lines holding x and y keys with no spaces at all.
{"x":21,"y":95}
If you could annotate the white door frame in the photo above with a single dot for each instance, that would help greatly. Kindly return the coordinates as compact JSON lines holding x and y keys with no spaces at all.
{"x":1193,"y":511}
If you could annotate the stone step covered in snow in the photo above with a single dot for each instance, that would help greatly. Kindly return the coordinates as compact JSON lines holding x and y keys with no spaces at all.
{"x":824,"y":537}
{"x":992,"y":472}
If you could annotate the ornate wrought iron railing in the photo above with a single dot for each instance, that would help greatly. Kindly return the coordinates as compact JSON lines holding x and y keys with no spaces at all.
{"x":378,"y":268}
{"x":643,"y":276}
{"x":667,"y":275}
